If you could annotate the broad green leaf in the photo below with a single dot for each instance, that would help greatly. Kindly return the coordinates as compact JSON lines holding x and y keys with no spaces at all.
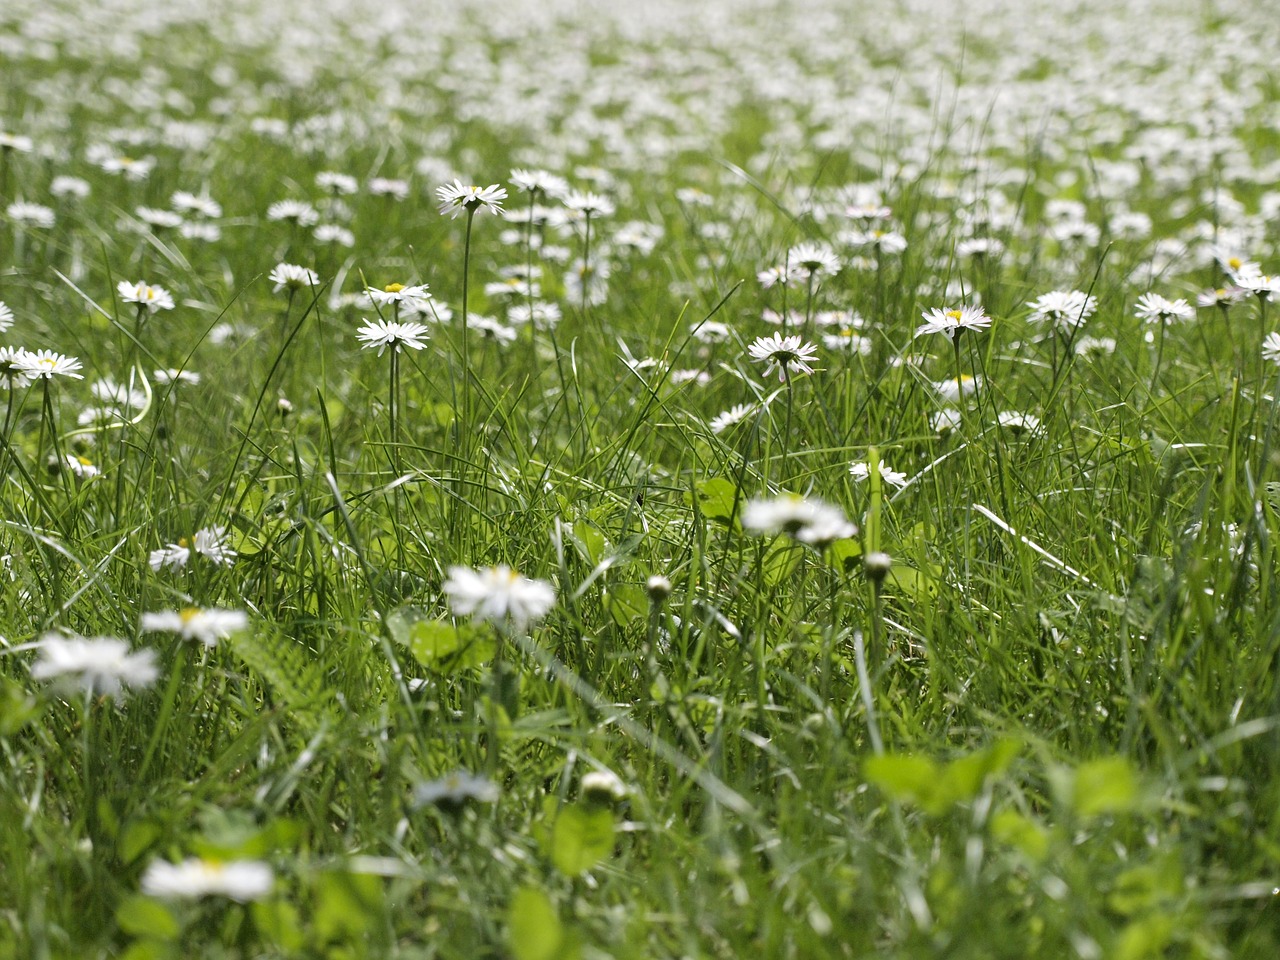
{"x":910,"y":778}
{"x":963,"y":778}
{"x":626,"y":603}
{"x":279,"y":924}
{"x":845,"y":556}
{"x":580,"y":838}
{"x":347,"y":905}
{"x":136,"y":838}
{"x":1013,"y":829}
{"x":1109,"y":785}
{"x":141,"y":916}
{"x":717,"y":499}
{"x":534,"y":930}
{"x":590,"y":541}
{"x":781,"y":558}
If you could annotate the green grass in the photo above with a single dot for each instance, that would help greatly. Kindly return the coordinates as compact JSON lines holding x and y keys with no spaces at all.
{"x":1050,"y":730}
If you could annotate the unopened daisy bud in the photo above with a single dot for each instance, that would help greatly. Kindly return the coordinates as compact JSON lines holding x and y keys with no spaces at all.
{"x":877,"y":565}
{"x":602,"y":787}
{"x":284,"y":406}
{"x":659,"y":588}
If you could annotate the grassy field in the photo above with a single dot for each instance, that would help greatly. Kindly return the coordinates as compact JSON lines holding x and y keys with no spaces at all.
{"x":568,"y":482}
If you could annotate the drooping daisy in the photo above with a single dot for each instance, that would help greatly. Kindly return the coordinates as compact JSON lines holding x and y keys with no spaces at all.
{"x":735,"y":414}
{"x":293,"y":211}
{"x":158,"y":219}
{"x":203,"y":205}
{"x":192,"y":623}
{"x":498,"y":595}
{"x":65,"y":186}
{"x":860,"y":470}
{"x":588,"y":204}
{"x":154,"y":299}
{"x":97,"y":665}
{"x":539,"y":181}
{"x":239,"y":880}
{"x":47,"y":364}
{"x":6,"y":317}
{"x":806,"y":519}
{"x":1271,"y":347}
{"x":953,"y":321}
{"x":455,"y":198}
{"x":290,"y":276}
{"x":790,"y":356}
{"x":813,"y":260}
{"x":388,"y":187}
{"x":337,"y":183}
{"x":392,"y":333}
{"x":30,"y":214}
{"x":1154,"y":308}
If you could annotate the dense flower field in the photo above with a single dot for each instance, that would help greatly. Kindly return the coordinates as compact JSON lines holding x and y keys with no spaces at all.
{"x":561,"y":480}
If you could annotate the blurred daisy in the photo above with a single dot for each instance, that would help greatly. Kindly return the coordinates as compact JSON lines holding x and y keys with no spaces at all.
{"x":82,"y":468}
{"x":807,"y":520}
{"x":1062,"y":308}
{"x":158,"y":219}
{"x":397,"y":293}
{"x":498,"y":595}
{"x":813,"y":259}
{"x":204,"y":206}
{"x":387,"y":187}
{"x":790,"y":355}
{"x":290,"y":276}
{"x":239,"y":880}
{"x":539,"y":181}
{"x":392,"y":333}
{"x":64,"y":186}
{"x":333,"y":233}
{"x":193,"y":623}
{"x":152,"y":298}
{"x":454,"y":790}
{"x":6,"y":317}
{"x":12,"y":371}
{"x":1018,"y":424}
{"x":455,"y":198}
{"x":1271,"y":348}
{"x":588,"y":204}
{"x":97,"y":665}
{"x":293,"y":211}
{"x":735,"y":414}
{"x":953,"y":321}
{"x":30,"y":214}
{"x":337,"y":183}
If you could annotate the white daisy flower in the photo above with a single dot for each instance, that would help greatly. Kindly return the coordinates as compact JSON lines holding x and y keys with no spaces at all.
{"x":1062,"y":308}
{"x":193,"y":623}
{"x":860,"y":471}
{"x":455,"y":198}
{"x":392,"y":333}
{"x":97,"y":665}
{"x":539,"y":181}
{"x":952,"y":321}
{"x":1271,"y":347}
{"x":453,"y":790}
{"x":152,"y":298}
{"x":808,"y":520}
{"x":734,"y":415}
{"x":30,"y":214}
{"x":6,"y":317}
{"x":293,"y":277}
{"x":293,"y":211}
{"x":498,"y":595}
{"x":337,"y":183}
{"x":790,"y":356}
{"x":1154,"y":308}
{"x":47,"y":364}
{"x":204,"y":206}
{"x":208,"y":542}
{"x":240,"y":880}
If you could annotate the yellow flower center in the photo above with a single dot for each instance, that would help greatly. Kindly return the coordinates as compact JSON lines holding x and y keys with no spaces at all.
{"x":393,"y":287}
{"x":184,"y":542}
{"x":1234,"y":263}
{"x":188,"y":614}
{"x":954,"y":314}
{"x":85,"y":461}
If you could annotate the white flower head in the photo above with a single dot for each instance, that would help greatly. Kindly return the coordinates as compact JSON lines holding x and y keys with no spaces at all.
{"x":290,"y":276}
{"x":806,"y":519}
{"x":1271,"y":347}
{"x":293,"y":211}
{"x":145,"y":295}
{"x":240,"y":880}
{"x":789,"y":356}
{"x":6,"y":317}
{"x":1154,"y":308}
{"x":498,"y":595}
{"x":47,"y":364}
{"x":734,"y":415}
{"x":193,"y":623}
{"x":454,"y":790}
{"x":208,"y":542}
{"x":392,"y":333}
{"x":861,"y":470}
{"x":97,"y":665}
{"x":1063,"y":308}
{"x":953,"y":320}
{"x":455,"y":198}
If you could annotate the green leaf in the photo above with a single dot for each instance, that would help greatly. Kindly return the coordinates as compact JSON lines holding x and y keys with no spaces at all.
{"x":963,"y":778}
{"x":17,"y":708}
{"x":626,"y":603}
{"x":716,"y":499}
{"x":910,"y":778}
{"x":279,"y":924}
{"x":781,"y":558}
{"x":590,"y":541}
{"x":1109,"y":785}
{"x":137,"y":837}
{"x":845,"y":556}
{"x":581,"y":837}
{"x":141,"y":916}
{"x":1024,"y":834}
{"x":439,"y":645}
{"x":911,"y":583}
{"x":148,"y":950}
{"x":347,"y":905}
{"x":534,"y":930}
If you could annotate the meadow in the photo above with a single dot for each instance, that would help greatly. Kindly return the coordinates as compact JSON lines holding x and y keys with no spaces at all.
{"x":563,"y":480}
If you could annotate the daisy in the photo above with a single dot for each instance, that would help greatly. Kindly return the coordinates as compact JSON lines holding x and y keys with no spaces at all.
{"x":166,"y":377}
{"x":6,"y":317}
{"x":1271,"y":348}
{"x":453,"y":790}
{"x":952,"y":321}
{"x":64,"y":186}
{"x":292,"y":277}
{"x":16,"y":142}
{"x":1062,"y":308}
{"x":293,"y":211}
{"x":153,"y":299}
{"x":734,"y":415}
{"x":394,"y":334}
{"x":333,"y":233}
{"x":788,"y":355}
{"x":193,"y":623}
{"x":159,"y":219}
{"x":47,"y":364}
{"x":588,"y":204}
{"x":807,"y":520}
{"x":209,"y":542}
{"x":12,"y":371}
{"x":82,"y":468}
{"x":454,"y":198}
{"x":394,"y":293}
{"x":492,"y":329}
{"x":1154,"y":308}
{"x":813,"y":259}
{"x":337,"y":183}
{"x":190,"y":203}
{"x":30,"y":214}
{"x":239,"y":880}
{"x":1018,"y":423}
{"x":861,"y":470}
{"x":602,"y":786}
{"x":1221,"y":297}
{"x":97,"y":665}
{"x":539,"y":181}
{"x":386,"y":187}
{"x":200,"y":230}
{"x":498,"y":595}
